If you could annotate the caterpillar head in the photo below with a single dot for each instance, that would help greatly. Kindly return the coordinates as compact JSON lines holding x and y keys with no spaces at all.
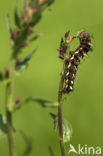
{"x":84,"y":37}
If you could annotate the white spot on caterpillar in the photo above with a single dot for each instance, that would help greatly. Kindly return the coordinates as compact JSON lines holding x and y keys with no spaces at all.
{"x":72,"y":58}
{"x":71,"y":88}
{"x":90,"y":44}
{"x":75,"y":68}
{"x":69,"y":65}
{"x":66,"y":86}
{"x":85,"y":54}
{"x":80,"y":58}
{"x":73,"y":75}
{"x":67,"y":74}
{"x":76,"y":52}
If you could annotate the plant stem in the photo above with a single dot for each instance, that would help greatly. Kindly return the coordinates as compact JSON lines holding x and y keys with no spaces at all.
{"x":60,"y":115}
{"x":60,"y":93}
{"x":9,"y":105}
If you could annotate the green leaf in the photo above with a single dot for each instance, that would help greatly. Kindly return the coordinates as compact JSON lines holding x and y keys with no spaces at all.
{"x":22,"y":66}
{"x":17,"y":19}
{"x":62,"y":41}
{"x":21,"y":69}
{"x":67,"y":129}
{"x":42,"y":102}
{"x":29,"y":144}
{"x":1,"y":76}
{"x":27,"y":59}
{"x":51,"y":151}
{"x":48,"y":3}
{"x":51,"y":2}
{"x":55,"y":118}
{"x":9,"y":27}
{"x":34,"y":38}
{"x":67,"y":34}
{"x":3,"y":126}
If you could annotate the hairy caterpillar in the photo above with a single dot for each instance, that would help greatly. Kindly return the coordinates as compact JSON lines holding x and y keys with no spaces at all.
{"x":71,"y":64}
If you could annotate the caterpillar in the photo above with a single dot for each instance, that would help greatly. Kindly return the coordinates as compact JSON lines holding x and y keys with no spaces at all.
{"x":75,"y":57}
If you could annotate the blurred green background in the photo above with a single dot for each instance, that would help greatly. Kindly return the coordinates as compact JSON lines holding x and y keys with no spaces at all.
{"x":84,"y":107}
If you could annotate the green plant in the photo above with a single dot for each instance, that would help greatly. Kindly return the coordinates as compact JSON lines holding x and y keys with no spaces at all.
{"x":71,"y":60}
{"x":21,"y":36}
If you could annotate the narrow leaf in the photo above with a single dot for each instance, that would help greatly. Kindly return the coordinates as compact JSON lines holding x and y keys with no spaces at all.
{"x":1,"y":76}
{"x":53,"y":115}
{"x":51,"y":151}
{"x":42,"y":102}
{"x":27,"y":59}
{"x":55,"y":118}
{"x":67,"y":34}
{"x":29,"y":144}
{"x":34,"y":38}
{"x":22,"y":66}
{"x":9,"y":27}
{"x":3,"y":126}
{"x":51,"y":2}
{"x":17,"y":19}
{"x":4,"y":78}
